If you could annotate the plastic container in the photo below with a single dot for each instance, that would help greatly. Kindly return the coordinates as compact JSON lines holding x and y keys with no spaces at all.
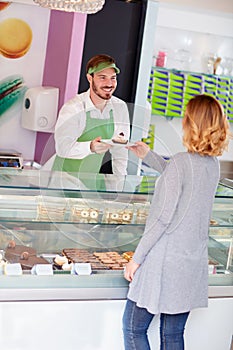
{"x":161,"y":59}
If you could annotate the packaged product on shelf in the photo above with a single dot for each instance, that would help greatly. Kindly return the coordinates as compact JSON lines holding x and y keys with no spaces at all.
{"x":84,"y":211}
{"x":141,"y":211}
{"x":117,"y":213}
{"x":51,"y":208}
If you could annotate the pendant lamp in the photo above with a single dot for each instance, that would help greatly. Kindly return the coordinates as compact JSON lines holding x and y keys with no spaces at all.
{"x":83,"y":6}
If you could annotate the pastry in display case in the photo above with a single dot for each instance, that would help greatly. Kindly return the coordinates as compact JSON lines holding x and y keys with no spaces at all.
{"x":220,"y":247}
{"x":41,"y":224}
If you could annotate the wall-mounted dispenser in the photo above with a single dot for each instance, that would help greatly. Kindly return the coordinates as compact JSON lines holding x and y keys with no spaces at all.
{"x":40,"y":106}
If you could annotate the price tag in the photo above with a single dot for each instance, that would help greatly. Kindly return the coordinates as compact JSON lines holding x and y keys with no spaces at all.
{"x":82,"y":269}
{"x":42,"y":269}
{"x":212,"y":269}
{"x":13,"y":269}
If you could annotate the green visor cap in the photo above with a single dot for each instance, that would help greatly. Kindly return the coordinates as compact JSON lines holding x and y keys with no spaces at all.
{"x":102,"y":66}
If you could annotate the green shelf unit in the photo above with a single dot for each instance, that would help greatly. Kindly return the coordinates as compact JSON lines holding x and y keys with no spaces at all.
{"x":150,"y":139}
{"x":170,"y":90}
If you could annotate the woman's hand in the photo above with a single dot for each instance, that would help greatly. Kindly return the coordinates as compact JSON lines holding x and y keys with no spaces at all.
{"x":140,"y":149}
{"x":130,"y":270}
{"x":99,"y":147}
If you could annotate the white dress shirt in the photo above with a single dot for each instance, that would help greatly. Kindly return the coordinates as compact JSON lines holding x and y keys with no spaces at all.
{"x":72,"y":122}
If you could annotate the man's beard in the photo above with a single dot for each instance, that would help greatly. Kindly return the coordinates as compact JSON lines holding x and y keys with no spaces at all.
{"x":103,"y":95}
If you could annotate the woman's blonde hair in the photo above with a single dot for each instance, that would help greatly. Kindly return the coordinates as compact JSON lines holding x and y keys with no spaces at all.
{"x":205,"y":126}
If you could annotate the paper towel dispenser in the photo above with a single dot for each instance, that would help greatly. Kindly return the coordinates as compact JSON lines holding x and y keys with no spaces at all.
{"x":40,"y":107}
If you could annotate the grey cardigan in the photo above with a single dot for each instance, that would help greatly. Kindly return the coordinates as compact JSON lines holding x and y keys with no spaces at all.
{"x":173,"y":251}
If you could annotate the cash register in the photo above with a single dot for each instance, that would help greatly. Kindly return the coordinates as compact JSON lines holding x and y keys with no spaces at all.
{"x":10,"y":159}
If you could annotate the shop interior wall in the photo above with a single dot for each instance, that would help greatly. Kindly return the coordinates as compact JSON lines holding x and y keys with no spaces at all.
{"x":29,"y":67}
{"x":198,"y":35}
{"x":62,"y":67}
{"x":117,"y":31}
{"x":53,"y":59}
{"x":104,"y":33}
{"x":225,"y":6}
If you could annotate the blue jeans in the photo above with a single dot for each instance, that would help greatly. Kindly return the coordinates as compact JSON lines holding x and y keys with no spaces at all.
{"x":136,"y":322}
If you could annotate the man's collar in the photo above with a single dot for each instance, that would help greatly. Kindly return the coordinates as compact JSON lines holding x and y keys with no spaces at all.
{"x":90,"y":105}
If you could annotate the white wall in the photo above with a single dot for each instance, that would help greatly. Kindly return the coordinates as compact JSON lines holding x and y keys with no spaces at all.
{"x":30,"y":67}
{"x":207,"y":5}
{"x":200,"y":33}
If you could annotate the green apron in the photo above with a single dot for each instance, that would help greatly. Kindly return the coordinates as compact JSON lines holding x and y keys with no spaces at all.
{"x":92,"y":163}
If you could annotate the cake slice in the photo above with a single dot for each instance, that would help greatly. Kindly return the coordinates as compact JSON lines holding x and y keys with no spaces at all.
{"x":120,"y":139}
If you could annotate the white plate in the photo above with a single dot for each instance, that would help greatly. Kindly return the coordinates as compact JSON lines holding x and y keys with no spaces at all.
{"x":110,"y":142}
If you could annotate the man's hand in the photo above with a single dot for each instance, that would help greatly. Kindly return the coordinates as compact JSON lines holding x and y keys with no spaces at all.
{"x":130,"y":270}
{"x":99,"y":147}
{"x":140,"y":149}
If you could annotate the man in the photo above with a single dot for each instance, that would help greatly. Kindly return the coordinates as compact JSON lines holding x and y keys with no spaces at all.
{"x":91,"y":117}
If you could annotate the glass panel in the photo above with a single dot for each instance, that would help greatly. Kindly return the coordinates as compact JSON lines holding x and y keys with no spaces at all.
{"x":48,"y":212}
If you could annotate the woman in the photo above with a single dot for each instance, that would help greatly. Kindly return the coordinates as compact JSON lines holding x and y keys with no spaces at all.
{"x":168,"y":273}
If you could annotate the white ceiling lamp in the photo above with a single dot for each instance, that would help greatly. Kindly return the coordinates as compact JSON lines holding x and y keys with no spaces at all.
{"x":83,"y":6}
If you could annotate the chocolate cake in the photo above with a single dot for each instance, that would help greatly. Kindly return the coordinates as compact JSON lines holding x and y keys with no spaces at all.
{"x":14,"y":251}
{"x":30,"y":261}
{"x":24,"y":255}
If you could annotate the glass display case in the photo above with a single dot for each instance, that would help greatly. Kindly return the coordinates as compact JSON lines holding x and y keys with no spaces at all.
{"x":71,"y":240}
